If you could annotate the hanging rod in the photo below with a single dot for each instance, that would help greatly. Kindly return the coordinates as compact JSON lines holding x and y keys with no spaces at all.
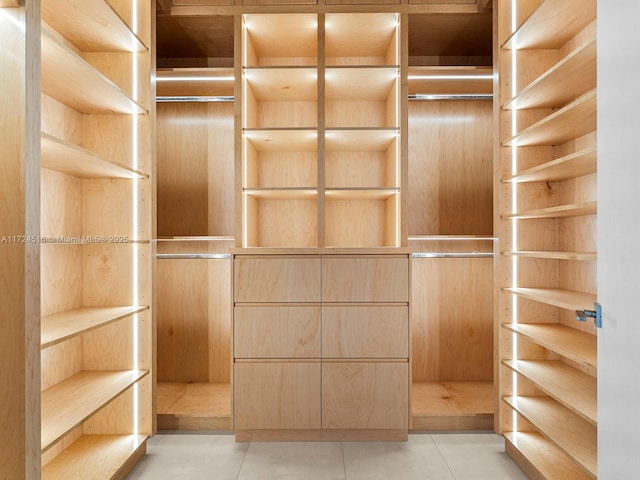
{"x":453,"y":96}
{"x":452,"y":255}
{"x":211,"y":98}
{"x":173,"y":256}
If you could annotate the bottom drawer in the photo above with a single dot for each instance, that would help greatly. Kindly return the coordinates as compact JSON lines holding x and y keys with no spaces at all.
{"x":276,"y":395}
{"x":365,"y":395}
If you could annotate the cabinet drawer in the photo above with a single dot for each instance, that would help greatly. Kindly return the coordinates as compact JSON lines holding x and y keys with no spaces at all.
{"x":365,"y":395}
{"x":368,"y":279}
{"x":276,"y":332}
{"x":276,"y":280}
{"x":365,"y":332}
{"x":276,"y":395}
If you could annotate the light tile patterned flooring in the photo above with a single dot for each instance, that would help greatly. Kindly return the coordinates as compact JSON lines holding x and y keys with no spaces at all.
{"x":447,"y":456}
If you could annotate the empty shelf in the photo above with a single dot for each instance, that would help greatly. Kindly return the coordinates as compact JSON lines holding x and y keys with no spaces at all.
{"x":574,"y":389}
{"x":62,"y":326}
{"x":573,"y":344}
{"x":292,"y":193}
{"x":584,"y":256}
{"x":573,"y":435}
{"x":561,"y":211}
{"x":360,"y":193}
{"x":559,"y":297}
{"x":283,"y":140}
{"x":577,"y":164}
{"x":194,"y":406}
{"x":282,"y":83}
{"x":360,"y":139}
{"x":69,"y":403}
{"x":360,"y":83}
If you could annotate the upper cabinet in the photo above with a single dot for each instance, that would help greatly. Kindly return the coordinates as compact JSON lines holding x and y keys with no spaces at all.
{"x":321,"y":162}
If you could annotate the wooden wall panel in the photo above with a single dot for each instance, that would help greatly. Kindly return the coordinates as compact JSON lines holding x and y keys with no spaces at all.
{"x":195,"y":169}
{"x":450,"y":160}
{"x":452,"y":320}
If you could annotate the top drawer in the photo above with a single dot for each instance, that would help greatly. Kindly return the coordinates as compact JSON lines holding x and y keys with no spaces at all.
{"x":365,"y":279}
{"x":276,"y":280}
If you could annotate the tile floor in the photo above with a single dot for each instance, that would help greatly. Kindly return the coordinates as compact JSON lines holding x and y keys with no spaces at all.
{"x":453,"y":456}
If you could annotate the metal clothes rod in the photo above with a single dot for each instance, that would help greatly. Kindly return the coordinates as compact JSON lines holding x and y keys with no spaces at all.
{"x":216,"y":256}
{"x":453,"y":255}
{"x":218,"y":98}
{"x":451,"y":96}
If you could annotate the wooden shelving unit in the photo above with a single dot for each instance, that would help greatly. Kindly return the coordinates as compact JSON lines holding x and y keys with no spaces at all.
{"x":194,"y":406}
{"x":96,"y":174}
{"x":548,"y":236}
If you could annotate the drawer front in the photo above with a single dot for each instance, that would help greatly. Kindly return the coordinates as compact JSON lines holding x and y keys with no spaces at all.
{"x":365,"y":332}
{"x":365,"y":279}
{"x":365,"y":395}
{"x":276,"y":332}
{"x":276,"y":395}
{"x":264,"y":280}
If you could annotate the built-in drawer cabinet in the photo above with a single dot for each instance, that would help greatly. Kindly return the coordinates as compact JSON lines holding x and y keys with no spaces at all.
{"x":365,"y":331}
{"x":277,"y":280}
{"x":277,"y":332}
{"x":277,"y":395}
{"x":365,"y":279}
{"x":365,"y":395}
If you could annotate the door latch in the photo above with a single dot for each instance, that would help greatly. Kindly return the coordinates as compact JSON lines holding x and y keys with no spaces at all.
{"x":596,"y":314}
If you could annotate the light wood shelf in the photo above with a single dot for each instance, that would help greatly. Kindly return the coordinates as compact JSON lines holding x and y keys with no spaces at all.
{"x":450,"y":80}
{"x":582,"y":256}
{"x":360,"y":82}
{"x":360,"y":139}
{"x":69,"y":403}
{"x":282,"y":83}
{"x":571,"y":387}
{"x":71,"y":80}
{"x":283,"y":139}
{"x":93,"y":27}
{"x":571,"y":77}
{"x":542,"y":458}
{"x":552,"y":24}
{"x":577,"y":164}
{"x":194,"y":406}
{"x":452,"y":405}
{"x":572,"y":121}
{"x":573,"y":435}
{"x":9,"y":4}
{"x":557,"y":297}
{"x":65,"y":325}
{"x":79,"y":162}
{"x":195,"y":82}
{"x":561,"y":211}
{"x":293,"y":193}
{"x":360,"y":193}
{"x":360,"y":36}
{"x":98,"y":457}
{"x":573,"y":344}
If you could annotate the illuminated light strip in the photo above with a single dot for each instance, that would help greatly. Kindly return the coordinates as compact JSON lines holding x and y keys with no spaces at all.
{"x":244,"y":199}
{"x":450,"y":77}
{"x":195,"y":79}
{"x":452,"y":96}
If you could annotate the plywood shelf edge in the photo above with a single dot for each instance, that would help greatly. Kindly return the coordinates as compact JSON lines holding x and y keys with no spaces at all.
{"x":65,"y":325}
{"x":69,"y":403}
{"x":577,"y":164}
{"x":558,"y":297}
{"x":560,"y":211}
{"x":581,"y":256}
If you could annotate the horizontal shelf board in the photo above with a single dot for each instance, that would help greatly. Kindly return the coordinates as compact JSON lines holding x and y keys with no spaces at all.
{"x":282,"y":84}
{"x":283,"y":140}
{"x":72,"y":81}
{"x":577,"y":164}
{"x":359,"y":34}
{"x":359,"y":83}
{"x":584,"y":256}
{"x":552,"y":24}
{"x":571,"y":77}
{"x":91,"y":25}
{"x":550,"y":462}
{"x":572,"y":121}
{"x":195,"y":82}
{"x":450,"y":80}
{"x":360,"y":139}
{"x":9,"y":4}
{"x":574,"y":389}
{"x":360,"y":193}
{"x":79,"y":162}
{"x":194,"y":399}
{"x":62,"y":326}
{"x":282,"y":193}
{"x":573,"y":435}
{"x":72,"y":401}
{"x":94,"y":457}
{"x":573,"y":344}
{"x":561,"y":211}
{"x":558,"y":297}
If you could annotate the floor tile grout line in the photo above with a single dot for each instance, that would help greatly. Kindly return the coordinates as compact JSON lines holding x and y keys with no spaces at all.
{"x":443,"y":457}
{"x":244,"y":457}
{"x":344,"y":462}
